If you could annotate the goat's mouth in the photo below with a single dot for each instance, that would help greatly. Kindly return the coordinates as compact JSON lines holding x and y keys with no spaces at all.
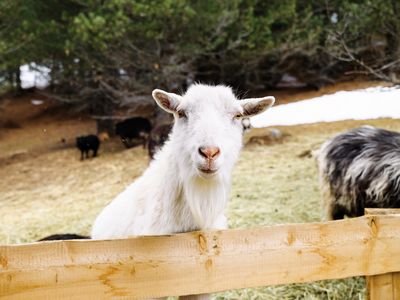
{"x":207,"y":171}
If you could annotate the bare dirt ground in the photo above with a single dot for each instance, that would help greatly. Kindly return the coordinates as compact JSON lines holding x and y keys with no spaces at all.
{"x":46,"y":189}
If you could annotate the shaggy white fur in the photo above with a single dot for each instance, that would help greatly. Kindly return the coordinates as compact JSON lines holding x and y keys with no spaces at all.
{"x":183,"y":189}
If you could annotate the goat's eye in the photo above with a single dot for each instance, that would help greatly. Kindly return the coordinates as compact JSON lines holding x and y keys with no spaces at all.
{"x":237,"y":116}
{"x":181,"y":114}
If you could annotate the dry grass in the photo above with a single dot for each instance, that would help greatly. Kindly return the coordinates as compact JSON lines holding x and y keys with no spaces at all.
{"x":51,"y":191}
{"x":56,"y":192}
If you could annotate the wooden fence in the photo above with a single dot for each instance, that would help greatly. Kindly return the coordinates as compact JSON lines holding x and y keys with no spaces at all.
{"x":201,"y":262}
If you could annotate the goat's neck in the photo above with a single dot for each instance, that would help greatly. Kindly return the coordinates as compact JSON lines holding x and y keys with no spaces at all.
{"x":206,"y":199}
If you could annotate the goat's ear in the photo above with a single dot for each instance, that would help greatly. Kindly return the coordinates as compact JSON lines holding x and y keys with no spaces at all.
{"x":167,"y":101}
{"x":255,"y":106}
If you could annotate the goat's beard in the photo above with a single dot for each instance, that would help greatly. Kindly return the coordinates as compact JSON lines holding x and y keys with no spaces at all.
{"x":206,"y":199}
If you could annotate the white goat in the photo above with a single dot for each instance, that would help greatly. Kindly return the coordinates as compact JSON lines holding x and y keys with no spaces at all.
{"x":187,"y":185}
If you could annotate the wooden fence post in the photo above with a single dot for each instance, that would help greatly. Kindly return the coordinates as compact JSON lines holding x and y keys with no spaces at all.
{"x":384,"y":286}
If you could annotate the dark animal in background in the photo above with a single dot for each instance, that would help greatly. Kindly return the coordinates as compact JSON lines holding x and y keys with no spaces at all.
{"x":87,"y":143}
{"x":65,"y":236}
{"x":360,"y":169}
{"x":133,"y":128}
{"x":158,"y":136}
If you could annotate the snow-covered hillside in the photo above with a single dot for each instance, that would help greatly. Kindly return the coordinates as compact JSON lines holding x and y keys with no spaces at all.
{"x":370,"y":103}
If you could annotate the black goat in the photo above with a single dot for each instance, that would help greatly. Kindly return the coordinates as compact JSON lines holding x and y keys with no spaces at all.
{"x":86,"y":143}
{"x":64,"y":236}
{"x":133,"y":128}
{"x":360,"y":169}
{"x":158,"y":136}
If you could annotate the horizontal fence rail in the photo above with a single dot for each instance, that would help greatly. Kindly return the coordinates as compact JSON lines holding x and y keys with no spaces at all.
{"x":201,"y":262}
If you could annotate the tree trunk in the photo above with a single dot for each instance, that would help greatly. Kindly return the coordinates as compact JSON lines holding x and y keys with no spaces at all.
{"x":392,"y":36}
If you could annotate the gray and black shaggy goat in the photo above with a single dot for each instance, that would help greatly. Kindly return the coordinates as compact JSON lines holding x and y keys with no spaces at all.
{"x":360,"y":169}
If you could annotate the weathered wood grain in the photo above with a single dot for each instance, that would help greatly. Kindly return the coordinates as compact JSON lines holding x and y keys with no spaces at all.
{"x":201,"y":262}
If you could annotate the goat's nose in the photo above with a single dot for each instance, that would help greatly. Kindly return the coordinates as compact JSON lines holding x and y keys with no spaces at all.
{"x":209,"y":152}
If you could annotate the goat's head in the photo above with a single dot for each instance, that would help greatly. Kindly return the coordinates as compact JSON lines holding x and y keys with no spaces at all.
{"x":208,"y":126}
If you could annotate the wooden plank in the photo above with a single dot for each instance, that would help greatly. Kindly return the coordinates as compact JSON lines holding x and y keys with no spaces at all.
{"x":384,"y":286}
{"x":382,"y":211}
{"x":396,"y":285}
{"x":201,"y":262}
{"x":380,"y":287}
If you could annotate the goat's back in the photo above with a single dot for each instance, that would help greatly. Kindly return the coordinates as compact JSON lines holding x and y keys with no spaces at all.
{"x":88,"y":142}
{"x":362,"y":169}
{"x":132,"y":127}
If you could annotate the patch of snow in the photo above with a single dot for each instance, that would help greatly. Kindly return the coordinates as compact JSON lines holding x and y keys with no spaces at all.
{"x":33,"y":75}
{"x":370,"y":103}
{"x":37,"y":102}
{"x":289,"y":81}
